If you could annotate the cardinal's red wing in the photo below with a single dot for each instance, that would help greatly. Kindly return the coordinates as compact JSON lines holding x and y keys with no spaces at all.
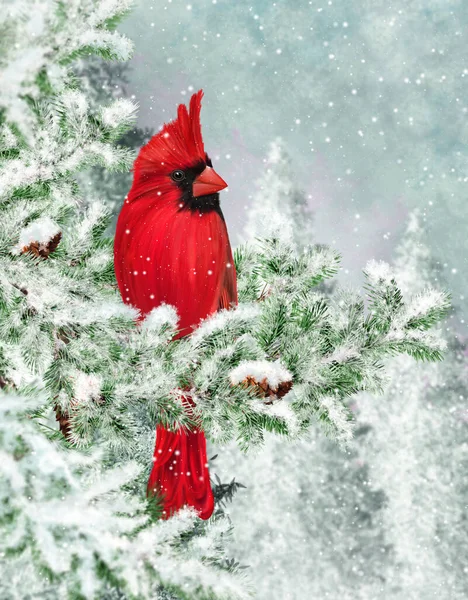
{"x":228,"y":297}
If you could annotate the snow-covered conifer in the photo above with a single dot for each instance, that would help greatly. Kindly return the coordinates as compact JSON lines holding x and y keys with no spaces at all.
{"x":70,"y":527}
{"x":279,"y":207}
{"x":417,"y":452}
{"x":308,"y":522}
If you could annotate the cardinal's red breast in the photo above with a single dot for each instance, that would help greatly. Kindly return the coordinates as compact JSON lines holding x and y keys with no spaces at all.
{"x":165,"y":253}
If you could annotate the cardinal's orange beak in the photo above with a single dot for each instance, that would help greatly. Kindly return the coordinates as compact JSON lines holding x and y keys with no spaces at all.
{"x":208,"y":182}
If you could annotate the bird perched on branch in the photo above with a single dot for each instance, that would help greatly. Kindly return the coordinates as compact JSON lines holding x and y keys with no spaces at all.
{"x":172,"y":246}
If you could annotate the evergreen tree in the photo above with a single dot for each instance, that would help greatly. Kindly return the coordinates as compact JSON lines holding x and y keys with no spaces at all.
{"x":308,"y":523}
{"x":102,"y":81}
{"x":287,"y":356}
{"x":279,"y":208}
{"x":417,"y":451}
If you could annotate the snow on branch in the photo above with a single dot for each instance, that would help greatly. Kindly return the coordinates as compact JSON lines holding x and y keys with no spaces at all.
{"x":160,"y":319}
{"x":75,"y":516}
{"x":273,"y":374}
{"x":378,"y":272}
{"x":69,"y":139}
{"x":405,"y":325}
{"x":336,"y":419}
{"x":425,"y":309}
{"x":121,"y":112}
{"x":225,"y":321}
{"x":320,"y":350}
{"x":41,"y":231}
{"x":44,"y":38}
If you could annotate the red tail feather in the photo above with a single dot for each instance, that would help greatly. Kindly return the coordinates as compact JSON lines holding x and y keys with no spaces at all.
{"x":180,"y":473}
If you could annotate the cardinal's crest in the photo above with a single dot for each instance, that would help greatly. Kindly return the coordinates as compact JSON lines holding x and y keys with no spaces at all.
{"x":179,"y":144}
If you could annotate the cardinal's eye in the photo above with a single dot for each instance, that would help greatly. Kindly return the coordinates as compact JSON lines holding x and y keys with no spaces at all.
{"x":178,"y":175}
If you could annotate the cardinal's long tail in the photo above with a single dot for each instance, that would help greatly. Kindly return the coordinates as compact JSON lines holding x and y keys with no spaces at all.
{"x":180,"y":473}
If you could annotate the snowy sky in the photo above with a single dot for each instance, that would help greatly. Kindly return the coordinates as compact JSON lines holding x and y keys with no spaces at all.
{"x":370,"y":99}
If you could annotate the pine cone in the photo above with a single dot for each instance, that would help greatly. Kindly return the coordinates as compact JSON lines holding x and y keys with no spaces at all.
{"x":43,"y":249}
{"x":5,"y":383}
{"x":264,"y":390}
{"x":64,"y":422}
{"x":64,"y":417}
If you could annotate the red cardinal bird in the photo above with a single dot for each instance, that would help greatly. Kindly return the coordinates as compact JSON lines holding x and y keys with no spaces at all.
{"x":172,"y":246}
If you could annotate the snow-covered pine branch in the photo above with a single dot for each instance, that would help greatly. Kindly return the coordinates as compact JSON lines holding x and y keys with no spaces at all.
{"x":330,"y":348}
{"x":405,"y":325}
{"x":64,"y":515}
{"x":40,"y":38}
